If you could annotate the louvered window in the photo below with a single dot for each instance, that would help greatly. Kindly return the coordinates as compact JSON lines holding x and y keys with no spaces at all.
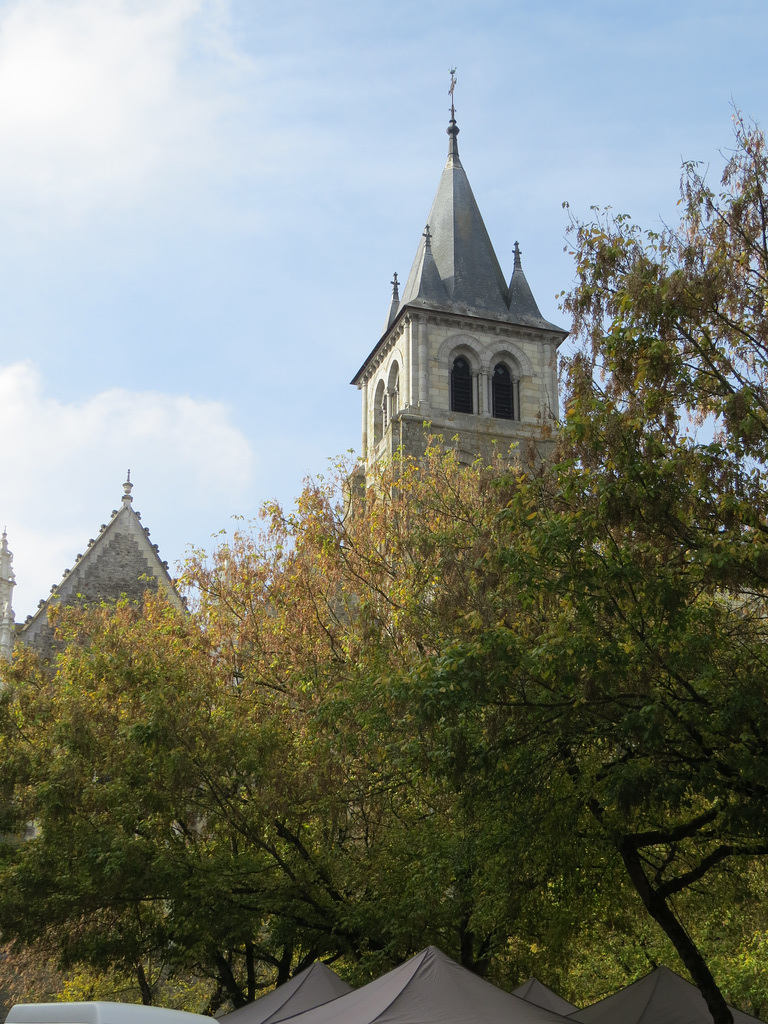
{"x":461,"y":386}
{"x":503,"y":393}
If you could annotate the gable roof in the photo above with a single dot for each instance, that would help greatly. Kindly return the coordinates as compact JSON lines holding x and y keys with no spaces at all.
{"x":661,"y":997}
{"x":312,"y":987}
{"x":120,"y":561}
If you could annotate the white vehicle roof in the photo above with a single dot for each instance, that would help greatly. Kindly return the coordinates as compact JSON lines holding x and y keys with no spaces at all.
{"x":99,"y":1013}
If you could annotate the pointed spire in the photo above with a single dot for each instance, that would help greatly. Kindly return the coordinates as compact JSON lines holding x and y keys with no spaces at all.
{"x":453,"y":142}
{"x":394,"y":302}
{"x":127,"y":488}
{"x":522,"y":305}
{"x":460,"y":247}
{"x":425,"y":286}
{"x":453,"y":129}
{"x":7,"y":575}
{"x":7,"y":583}
{"x":6,"y":558}
{"x":455,"y":268}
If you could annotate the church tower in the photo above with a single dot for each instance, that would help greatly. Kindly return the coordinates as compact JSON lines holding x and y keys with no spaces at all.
{"x":462,"y":351}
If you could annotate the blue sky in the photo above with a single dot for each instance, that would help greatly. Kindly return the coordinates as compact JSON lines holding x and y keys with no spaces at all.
{"x":202,"y":203}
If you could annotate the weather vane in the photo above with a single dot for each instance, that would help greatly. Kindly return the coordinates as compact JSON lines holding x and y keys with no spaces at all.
{"x":452,"y":73}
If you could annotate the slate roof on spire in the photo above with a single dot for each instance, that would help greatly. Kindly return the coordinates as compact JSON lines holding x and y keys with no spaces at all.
{"x":425,"y":286}
{"x":522,"y":305}
{"x":462,"y":251}
{"x":464,"y":258}
{"x":456,"y":269}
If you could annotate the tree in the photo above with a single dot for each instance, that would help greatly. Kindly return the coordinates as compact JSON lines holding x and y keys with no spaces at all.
{"x":383,"y":726}
{"x":477,"y":705}
{"x":222,"y":794}
{"x":339,"y":602}
{"x":164,"y":834}
{"x":675,"y":324}
{"x":628,"y":647}
{"x":629,"y":640}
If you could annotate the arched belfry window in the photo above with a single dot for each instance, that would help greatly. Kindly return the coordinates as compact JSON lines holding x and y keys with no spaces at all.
{"x":461,"y":386}
{"x":379,"y":413}
{"x":503,"y":388}
{"x":393,"y":390}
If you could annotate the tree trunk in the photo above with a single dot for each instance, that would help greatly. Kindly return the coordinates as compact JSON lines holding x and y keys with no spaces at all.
{"x":665,"y":917}
{"x":284,"y":965}
{"x":250,"y":971}
{"x":227,"y":979}
{"x":146,"y":991}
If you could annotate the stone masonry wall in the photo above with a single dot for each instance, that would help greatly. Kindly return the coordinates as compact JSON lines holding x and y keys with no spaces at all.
{"x":531,"y":355}
{"x":121,"y":562}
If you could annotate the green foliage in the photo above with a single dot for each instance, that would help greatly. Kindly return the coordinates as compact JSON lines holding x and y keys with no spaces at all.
{"x":518,"y":712}
{"x":139,"y":762}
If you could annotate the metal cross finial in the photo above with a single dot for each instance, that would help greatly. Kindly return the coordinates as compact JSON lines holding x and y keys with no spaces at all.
{"x":427,"y":237}
{"x":452,"y":73}
{"x":394,"y":282}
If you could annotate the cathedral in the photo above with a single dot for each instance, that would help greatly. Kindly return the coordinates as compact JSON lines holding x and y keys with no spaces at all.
{"x":464,"y":355}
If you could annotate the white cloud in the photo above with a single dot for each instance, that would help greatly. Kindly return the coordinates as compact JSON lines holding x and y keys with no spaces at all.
{"x":99,"y":97}
{"x":62,"y":464}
